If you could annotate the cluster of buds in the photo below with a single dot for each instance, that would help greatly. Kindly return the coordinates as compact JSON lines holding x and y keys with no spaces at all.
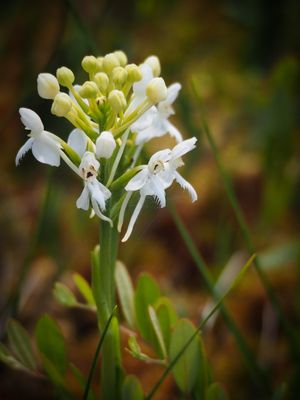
{"x":114,"y":113}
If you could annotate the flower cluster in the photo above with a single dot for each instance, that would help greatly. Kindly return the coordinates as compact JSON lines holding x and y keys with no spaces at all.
{"x":120,"y":108}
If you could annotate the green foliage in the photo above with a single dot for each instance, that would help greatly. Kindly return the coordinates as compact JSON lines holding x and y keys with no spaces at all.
{"x":167,"y":317}
{"x":7,"y":358}
{"x":19,"y":342}
{"x":50,"y":342}
{"x":157,"y":329}
{"x":186,"y":370}
{"x":126,"y":293}
{"x":132,"y":389}
{"x":215,"y":392}
{"x":64,"y":295}
{"x":146,"y":294}
{"x":84,"y":288}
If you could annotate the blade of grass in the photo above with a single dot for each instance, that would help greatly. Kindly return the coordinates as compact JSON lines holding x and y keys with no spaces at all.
{"x":96,"y":355}
{"x":257,"y":373}
{"x":289,"y":331}
{"x":202,"y":324}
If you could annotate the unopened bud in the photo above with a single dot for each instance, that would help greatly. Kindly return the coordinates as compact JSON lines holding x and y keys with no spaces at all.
{"x":102,"y":81}
{"x":121,"y":56}
{"x":117,"y":100}
{"x":156,"y":90}
{"x":154,"y":63}
{"x":99,"y":64}
{"x":65,"y":76}
{"x":119,"y":76}
{"x":105,"y":145}
{"x":61,"y":105}
{"x":88,"y":90}
{"x":47,"y":86}
{"x":89,"y":64}
{"x":110,"y":61}
{"x":134,"y":72}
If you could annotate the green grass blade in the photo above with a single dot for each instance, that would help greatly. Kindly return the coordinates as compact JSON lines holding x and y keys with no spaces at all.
{"x":257,"y":373}
{"x":96,"y":355}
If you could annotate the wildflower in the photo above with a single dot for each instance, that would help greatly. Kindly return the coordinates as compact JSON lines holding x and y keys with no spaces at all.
{"x":47,"y":86}
{"x":44,"y":145}
{"x":78,"y":141}
{"x":175,"y":161}
{"x":160,"y":124}
{"x":149,"y":182}
{"x":93,"y":191}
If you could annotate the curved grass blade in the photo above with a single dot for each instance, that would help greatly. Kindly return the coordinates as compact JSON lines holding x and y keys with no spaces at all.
{"x":96,"y":355}
{"x":202,"y":324}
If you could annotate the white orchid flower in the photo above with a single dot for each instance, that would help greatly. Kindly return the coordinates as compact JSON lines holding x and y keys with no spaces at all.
{"x":139,"y":88}
{"x":44,"y":145}
{"x":169,"y":174}
{"x":149,"y":182}
{"x":93,"y":191}
{"x":160,"y":123}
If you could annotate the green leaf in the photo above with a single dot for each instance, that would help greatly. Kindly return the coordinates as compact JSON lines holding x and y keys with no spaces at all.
{"x":132,"y":389}
{"x":126,"y":293}
{"x":19,"y":343}
{"x":167,"y":317}
{"x":147,"y":293}
{"x":215,"y":392}
{"x":9,"y":360}
{"x":158,"y":331}
{"x":84,"y":288}
{"x":81,"y":380}
{"x":187,"y":368}
{"x":64,"y":295}
{"x":50,"y":342}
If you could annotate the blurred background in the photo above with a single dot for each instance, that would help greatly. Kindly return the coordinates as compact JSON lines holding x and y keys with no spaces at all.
{"x":244,"y":58}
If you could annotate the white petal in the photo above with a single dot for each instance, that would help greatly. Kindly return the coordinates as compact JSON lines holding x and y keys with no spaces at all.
{"x":133,"y":218}
{"x":83,"y":200}
{"x":145,"y":120}
{"x":26,"y":146}
{"x":173,"y":91}
{"x":173,"y":131}
{"x":99,"y":213}
{"x":186,"y":185}
{"x":78,"y":141}
{"x":137,"y":181}
{"x":97,"y":194}
{"x":139,"y":88}
{"x":157,"y":187}
{"x":123,"y":209}
{"x":31,"y":120}
{"x":46,"y":151}
{"x":162,"y":155}
{"x":106,"y":192}
{"x":183,"y":147}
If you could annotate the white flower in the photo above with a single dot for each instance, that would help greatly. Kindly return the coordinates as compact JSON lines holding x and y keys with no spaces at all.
{"x":47,"y":85}
{"x":160,"y":124}
{"x":155,"y":178}
{"x":44,"y":145}
{"x":93,"y":191}
{"x":149,"y":182}
{"x":169,"y":174}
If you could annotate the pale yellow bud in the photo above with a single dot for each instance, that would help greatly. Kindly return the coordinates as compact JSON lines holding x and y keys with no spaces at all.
{"x":117,"y":100}
{"x":61,"y":105}
{"x":88,"y":90}
{"x":89,"y":64}
{"x":105,"y":145}
{"x":99,"y":64}
{"x":121,"y":56}
{"x":47,"y":86}
{"x":134,"y":72}
{"x":156,"y":90}
{"x":110,"y":61}
{"x":65,"y":76}
{"x":102,"y":81}
{"x":119,"y":76}
{"x":154,"y":63}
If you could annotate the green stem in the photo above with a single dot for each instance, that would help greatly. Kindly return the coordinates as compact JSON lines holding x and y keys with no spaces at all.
{"x":258,"y":374}
{"x":289,"y":331}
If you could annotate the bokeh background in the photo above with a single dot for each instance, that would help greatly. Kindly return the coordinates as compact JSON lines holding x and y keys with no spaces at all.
{"x":244,"y":57}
